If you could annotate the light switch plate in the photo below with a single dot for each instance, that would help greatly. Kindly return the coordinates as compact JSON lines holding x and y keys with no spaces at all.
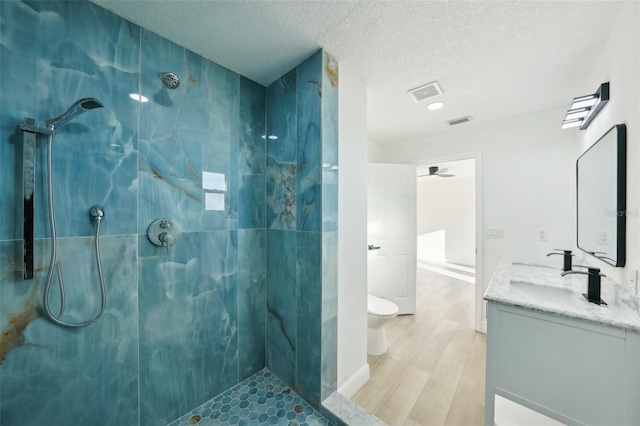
{"x":494,"y":233}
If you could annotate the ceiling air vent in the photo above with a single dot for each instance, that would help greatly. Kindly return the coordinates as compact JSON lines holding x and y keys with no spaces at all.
{"x":459,"y":120}
{"x":425,"y":92}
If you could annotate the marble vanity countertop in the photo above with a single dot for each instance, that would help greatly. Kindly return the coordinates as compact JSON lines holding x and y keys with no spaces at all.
{"x":623,"y":309}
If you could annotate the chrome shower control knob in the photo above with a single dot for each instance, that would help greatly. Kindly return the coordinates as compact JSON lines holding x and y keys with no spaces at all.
{"x":163,"y":233}
{"x":166,"y":239}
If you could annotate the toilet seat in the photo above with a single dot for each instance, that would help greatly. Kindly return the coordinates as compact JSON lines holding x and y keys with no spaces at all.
{"x":378,"y":307}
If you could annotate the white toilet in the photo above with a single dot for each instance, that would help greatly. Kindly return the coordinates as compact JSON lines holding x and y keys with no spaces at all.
{"x":379,"y":311}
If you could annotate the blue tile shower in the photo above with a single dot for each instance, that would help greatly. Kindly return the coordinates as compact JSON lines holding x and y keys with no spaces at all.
{"x":183,"y":326}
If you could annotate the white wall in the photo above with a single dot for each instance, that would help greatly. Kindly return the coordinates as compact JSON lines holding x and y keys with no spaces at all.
{"x":375,"y":152}
{"x":448,"y":204}
{"x":352,"y":234}
{"x":618,"y":63}
{"x":528,"y":181}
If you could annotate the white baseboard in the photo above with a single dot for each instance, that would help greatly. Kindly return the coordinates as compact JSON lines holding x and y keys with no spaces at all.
{"x":355,"y":382}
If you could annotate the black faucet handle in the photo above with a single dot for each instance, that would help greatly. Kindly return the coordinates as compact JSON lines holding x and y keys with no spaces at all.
{"x":591,"y":269}
{"x":564,"y":251}
{"x":566,"y":255}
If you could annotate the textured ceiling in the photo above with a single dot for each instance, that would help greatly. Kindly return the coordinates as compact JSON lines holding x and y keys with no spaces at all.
{"x":493,"y":59}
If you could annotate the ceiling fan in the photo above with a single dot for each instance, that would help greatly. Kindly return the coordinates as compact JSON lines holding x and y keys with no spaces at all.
{"x":436,"y":171}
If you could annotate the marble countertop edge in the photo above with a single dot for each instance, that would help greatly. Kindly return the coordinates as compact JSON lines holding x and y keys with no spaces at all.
{"x":623,"y":310}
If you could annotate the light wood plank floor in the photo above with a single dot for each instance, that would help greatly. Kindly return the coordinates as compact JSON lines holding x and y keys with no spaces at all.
{"x":433,"y":372}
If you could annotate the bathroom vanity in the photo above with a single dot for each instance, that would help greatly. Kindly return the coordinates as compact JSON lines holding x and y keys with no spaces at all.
{"x":550,"y":350}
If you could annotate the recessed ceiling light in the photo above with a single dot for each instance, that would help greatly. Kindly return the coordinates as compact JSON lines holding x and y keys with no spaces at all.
{"x":272,"y":137}
{"x":138,"y":97}
{"x":434,"y":106}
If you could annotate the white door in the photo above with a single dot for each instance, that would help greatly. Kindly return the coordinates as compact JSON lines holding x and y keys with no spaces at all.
{"x":391,"y":226}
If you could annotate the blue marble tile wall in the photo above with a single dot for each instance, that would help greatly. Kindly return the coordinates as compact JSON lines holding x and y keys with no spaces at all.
{"x":301,"y":217}
{"x":180,"y":327}
{"x":57,"y":376}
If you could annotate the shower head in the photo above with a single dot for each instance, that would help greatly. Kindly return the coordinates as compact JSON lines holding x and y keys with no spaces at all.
{"x":169,"y":79}
{"x":80,"y":106}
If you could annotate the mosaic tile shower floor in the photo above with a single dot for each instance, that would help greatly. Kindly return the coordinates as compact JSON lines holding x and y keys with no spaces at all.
{"x":262,"y":399}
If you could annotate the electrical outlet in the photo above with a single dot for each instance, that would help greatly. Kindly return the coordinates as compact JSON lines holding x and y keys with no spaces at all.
{"x":603,"y":237}
{"x":543,"y":235}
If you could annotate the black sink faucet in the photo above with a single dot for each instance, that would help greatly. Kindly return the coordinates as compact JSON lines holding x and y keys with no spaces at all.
{"x":567,"y":258}
{"x":593,"y":283}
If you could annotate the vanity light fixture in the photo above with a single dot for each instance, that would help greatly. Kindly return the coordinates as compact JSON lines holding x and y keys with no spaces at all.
{"x":583,"y":109}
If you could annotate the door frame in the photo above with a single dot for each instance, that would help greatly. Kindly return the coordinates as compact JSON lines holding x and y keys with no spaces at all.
{"x":479,"y":315}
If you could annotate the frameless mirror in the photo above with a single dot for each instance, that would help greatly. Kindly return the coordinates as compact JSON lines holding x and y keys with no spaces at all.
{"x":601,"y":177}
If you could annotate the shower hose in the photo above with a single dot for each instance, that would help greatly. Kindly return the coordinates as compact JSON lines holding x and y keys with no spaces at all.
{"x":97,"y":213}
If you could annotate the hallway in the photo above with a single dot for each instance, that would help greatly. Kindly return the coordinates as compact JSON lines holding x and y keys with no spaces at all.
{"x":433,"y":371}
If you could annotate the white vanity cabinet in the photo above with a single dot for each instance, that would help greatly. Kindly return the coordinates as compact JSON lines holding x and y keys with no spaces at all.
{"x":571,"y":370}
{"x":579,"y":365}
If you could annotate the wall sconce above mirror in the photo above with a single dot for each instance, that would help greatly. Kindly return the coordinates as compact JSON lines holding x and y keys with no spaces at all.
{"x":583,"y":109}
{"x":601,"y":197}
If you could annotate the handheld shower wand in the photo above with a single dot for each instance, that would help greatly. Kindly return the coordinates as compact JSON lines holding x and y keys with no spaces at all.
{"x":97,"y":212}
